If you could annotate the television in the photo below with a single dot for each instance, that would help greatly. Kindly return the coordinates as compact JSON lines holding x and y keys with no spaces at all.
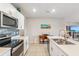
{"x":74,"y":28}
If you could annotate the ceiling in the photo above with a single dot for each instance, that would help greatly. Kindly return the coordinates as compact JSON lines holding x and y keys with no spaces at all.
{"x":43,"y":10}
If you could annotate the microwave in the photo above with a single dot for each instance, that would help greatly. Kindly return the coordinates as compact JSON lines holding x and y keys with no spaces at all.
{"x":8,"y":21}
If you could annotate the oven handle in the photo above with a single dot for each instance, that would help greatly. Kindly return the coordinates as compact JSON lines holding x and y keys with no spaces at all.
{"x":15,"y":48}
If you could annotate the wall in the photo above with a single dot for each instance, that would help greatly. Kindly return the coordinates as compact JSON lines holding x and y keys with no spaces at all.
{"x":68,"y":22}
{"x":34,"y":29}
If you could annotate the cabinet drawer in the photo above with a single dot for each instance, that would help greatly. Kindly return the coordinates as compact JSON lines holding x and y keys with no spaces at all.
{"x":6,"y":53}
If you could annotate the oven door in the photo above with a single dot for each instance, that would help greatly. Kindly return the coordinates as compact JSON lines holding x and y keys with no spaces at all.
{"x":18,"y":50}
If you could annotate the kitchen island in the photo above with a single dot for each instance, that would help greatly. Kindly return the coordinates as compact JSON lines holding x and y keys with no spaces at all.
{"x":5,"y":51}
{"x":63,"y":49}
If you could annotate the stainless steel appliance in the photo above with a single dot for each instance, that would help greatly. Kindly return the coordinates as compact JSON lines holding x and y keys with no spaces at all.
{"x":16,"y":46}
{"x":7,"y":20}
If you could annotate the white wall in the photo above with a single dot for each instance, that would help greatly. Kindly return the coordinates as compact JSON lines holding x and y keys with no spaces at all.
{"x":68,"y":22}
{"x":34,"y":29}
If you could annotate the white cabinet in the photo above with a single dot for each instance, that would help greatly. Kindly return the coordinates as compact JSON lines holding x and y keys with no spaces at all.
{"x":21,"y":22}
{"x":26,"y":44}
{"x":55,"y":50}
{"x":5,"y":51}
{"x":12,"y":11}
{"x":8,"y":9}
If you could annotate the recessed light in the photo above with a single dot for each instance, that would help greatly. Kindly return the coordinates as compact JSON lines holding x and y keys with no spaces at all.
{"x":34,"y":10}
{"x":53,"y":10}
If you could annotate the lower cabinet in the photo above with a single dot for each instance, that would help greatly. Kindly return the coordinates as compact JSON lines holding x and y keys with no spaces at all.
{"x":7,"y":53}
{"x":55,"y":50}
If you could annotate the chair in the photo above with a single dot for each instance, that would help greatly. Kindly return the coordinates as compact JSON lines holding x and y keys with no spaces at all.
{"x":43,"y":38}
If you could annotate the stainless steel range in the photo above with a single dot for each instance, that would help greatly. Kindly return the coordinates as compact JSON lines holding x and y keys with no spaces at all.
{"x":15,"y":45}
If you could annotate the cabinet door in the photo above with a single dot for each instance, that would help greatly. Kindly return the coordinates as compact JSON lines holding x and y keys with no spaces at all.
{"x":55,"y":50}
{"x":49,"y":47}
{"x":21,"y":22}
{"x":7,"y":53}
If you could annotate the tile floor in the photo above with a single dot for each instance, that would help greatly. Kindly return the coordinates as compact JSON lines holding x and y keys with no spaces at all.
{"x":37,"y":50}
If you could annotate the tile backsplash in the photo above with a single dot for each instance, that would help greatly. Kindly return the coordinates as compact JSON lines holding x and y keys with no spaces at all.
{"x":9,"y":31}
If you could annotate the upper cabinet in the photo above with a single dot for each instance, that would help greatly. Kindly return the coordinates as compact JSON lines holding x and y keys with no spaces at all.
{"x":12,"y":11}
{"x":21,"y":22}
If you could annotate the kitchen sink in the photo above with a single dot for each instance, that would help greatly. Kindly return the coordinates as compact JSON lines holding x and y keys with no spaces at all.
{"x":63,"y":42}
